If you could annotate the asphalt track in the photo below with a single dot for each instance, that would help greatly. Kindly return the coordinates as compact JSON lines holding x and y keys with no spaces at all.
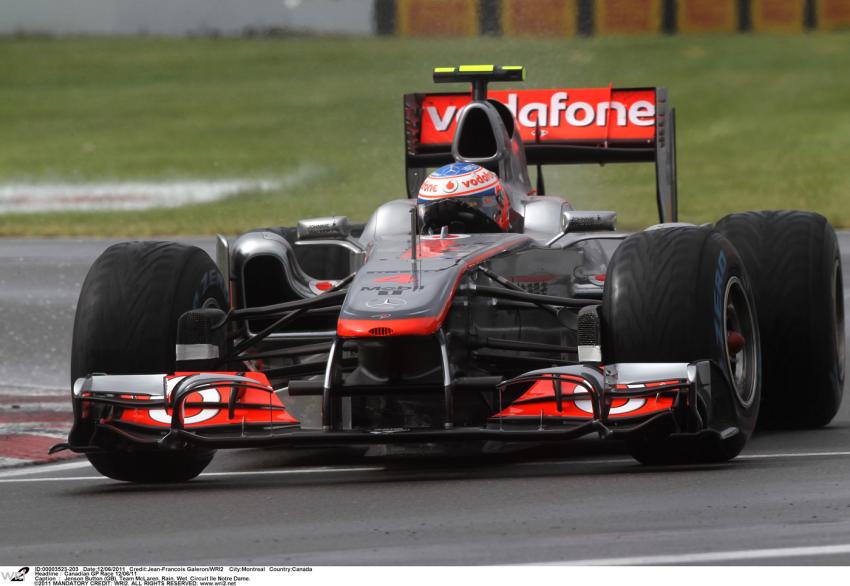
{"x":786,"y":500}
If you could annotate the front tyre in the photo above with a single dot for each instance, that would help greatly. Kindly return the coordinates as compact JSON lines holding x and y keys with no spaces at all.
{"x":126,"y":323}
{"x":682,"y":295}
{"x":151,"y":467}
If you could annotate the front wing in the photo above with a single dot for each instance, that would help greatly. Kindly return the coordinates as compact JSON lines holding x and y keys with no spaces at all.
{"x":234,"y":410}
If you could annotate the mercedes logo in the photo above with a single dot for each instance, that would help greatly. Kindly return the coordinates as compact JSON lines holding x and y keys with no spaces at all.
{"x":385,"y":302}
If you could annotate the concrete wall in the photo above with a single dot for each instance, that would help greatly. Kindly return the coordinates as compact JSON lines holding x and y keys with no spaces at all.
{"x":180,"y":17}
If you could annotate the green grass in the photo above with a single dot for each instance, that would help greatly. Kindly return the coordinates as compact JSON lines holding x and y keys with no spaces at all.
{"x":763,"y":122}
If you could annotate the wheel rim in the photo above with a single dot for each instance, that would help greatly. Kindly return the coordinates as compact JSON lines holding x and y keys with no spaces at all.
{"x":838,"y":318}
{"x":741,"y":347}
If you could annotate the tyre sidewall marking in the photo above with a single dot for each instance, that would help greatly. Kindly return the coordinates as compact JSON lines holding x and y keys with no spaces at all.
{"x":728,"y":266}
{"x":719,"y":297}
{"x":837,"y":286}
{"x":209,"y":279}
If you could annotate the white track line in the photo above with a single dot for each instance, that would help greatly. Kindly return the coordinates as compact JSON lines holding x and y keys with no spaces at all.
{"x":7,"y":476}
{"x":25,"y":390}
{"x":791,"y":455}
{"x":40,"y":469}
{"x":36,"y":386}
{"x":22,"y":407}
{"x":742,"y":457}
{"x":712,"y":557}
{"x":290,"y":471}
{"x":5,"y":462}
{"x":56,"y":429}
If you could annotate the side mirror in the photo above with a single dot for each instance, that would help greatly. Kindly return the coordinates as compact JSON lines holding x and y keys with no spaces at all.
{"x":574,"y":221}
{"x":329,"y":227}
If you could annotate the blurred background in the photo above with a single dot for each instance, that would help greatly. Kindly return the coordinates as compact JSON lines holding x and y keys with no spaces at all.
{"x":187,"y":117}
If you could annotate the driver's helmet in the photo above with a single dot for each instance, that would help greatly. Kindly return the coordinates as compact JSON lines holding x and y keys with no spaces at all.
{"x":465,"y":198}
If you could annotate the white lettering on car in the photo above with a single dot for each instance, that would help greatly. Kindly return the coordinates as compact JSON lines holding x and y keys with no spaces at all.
{"x":587,"y":118}
{"x":559,"y":109}
{"x":556,"y":106}
{"x":642,"y":113}
{"x":526,"y":112}
{"x":441,"y":123}
{"x":208,"y":396}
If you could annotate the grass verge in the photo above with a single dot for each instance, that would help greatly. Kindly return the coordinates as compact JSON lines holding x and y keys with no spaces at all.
{"x":763,"y":122}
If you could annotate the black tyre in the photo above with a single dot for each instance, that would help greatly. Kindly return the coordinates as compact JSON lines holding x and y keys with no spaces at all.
{"x":677,"y":295}
{"x":126,"y":323}
{"x":151,"y":467}
{"x":795,"y":264}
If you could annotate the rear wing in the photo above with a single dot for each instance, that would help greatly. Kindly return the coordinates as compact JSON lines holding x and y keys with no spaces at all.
{"x":558,"y":126}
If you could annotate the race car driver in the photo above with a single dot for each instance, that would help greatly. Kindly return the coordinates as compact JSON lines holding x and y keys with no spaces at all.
{"x":465,"y":198}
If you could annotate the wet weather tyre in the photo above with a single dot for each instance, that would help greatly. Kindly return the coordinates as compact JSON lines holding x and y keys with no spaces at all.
{"x":795,"y":264}
{"x":675,"y":295}
{"x":151,"y":467}
{"x":126,"y":323}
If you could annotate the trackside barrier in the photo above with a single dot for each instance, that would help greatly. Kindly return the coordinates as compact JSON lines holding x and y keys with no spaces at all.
{"x":566,"y":18}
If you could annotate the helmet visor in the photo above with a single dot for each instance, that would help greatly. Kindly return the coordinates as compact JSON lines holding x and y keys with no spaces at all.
{"x":465,"y":213}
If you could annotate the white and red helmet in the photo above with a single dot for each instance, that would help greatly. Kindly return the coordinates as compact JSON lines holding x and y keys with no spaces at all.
{"x":470,"y":187}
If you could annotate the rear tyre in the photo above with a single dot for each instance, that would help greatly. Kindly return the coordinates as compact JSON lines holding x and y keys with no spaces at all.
{"x":678,"y":295}
{"x":795,"y":263}
{"x":126,"y":323}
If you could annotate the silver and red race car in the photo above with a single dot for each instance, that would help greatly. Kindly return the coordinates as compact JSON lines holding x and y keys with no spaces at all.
{"x":676,"y":339}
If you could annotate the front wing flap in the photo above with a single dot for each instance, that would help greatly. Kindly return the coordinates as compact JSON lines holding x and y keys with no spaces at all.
{"x":152,"y":408}
{"x":612,"y":396}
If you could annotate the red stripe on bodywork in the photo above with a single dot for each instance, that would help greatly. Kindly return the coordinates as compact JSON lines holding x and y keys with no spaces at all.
{"x":414,"y":326}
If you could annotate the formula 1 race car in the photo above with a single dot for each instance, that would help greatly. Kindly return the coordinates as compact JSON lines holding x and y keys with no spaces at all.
{"x":542,"y":324}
